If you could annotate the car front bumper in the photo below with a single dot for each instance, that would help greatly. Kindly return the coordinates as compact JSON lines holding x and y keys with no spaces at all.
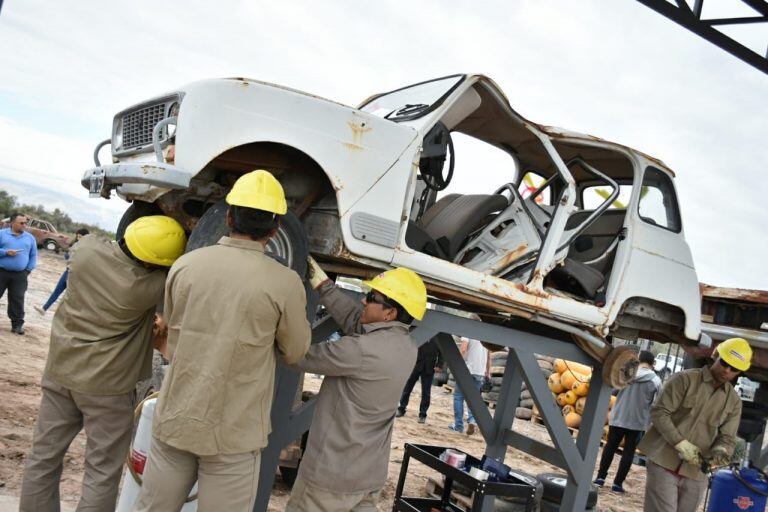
{"x":102,"y":179}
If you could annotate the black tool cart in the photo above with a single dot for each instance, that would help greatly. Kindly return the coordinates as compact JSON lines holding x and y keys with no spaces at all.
{"x":507,"y":486}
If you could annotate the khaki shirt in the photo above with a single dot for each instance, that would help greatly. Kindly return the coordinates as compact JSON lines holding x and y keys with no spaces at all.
{"x":349,"y":440}
{"x":101,"y":333}
{"x":690,"y":407}
{"x":230,"y":309}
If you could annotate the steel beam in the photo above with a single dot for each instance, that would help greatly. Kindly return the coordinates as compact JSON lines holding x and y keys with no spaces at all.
{"x":691,"y":19}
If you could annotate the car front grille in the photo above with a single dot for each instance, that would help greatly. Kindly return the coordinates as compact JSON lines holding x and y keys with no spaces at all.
{"x":138,"y":125}
{"x":139,"y":122}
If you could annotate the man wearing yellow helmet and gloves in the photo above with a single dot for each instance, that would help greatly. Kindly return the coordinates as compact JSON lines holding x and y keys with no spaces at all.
{"x":100,"y":348}
{"x":694,"y":419}
{"x":231,"y":310}
{"x":345,"y":464}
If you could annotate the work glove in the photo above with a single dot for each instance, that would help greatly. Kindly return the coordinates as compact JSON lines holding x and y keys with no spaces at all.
{"x":315,"y":274}
{"x":719,"y":457}
{"x":689,"y":452}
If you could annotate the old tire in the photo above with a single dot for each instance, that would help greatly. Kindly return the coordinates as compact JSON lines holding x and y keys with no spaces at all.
{"x":289,"y":246}
{"x":523,"y":413}
{"x":51,"y":245}
{"x":135,"y":210}
{"x":620,"y":366}
{"x":554,"y":487}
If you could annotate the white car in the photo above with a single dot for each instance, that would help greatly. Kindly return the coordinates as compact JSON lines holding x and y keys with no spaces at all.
{"x":582,"y":236}
{"x":665,"y":365}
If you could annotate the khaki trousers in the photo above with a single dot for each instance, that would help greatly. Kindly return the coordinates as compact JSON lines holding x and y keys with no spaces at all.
{"x":225,"y":482}
{"x":108,"y":423}
{"x":306,"y":497}
{"x":667,"y":492}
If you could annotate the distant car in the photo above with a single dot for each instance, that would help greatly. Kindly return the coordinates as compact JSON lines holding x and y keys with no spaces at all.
{"x":746,"y":388}
{"x":664,"y":365}
{"x":45,"y":234}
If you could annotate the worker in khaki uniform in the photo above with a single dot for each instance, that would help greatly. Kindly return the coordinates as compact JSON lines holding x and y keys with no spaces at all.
{"x":694,"y":419}
{"x":345,"y":464}
{"x":230,"y":310}
{"x":100,"y":348}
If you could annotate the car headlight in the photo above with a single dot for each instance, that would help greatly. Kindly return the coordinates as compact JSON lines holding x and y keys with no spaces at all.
{"x":117,"y":137}
{"x":173,"y":111}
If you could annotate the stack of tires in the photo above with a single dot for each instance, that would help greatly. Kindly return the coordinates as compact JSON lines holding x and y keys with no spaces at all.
{"x":525,"y":405}
{"x":553,"y":489}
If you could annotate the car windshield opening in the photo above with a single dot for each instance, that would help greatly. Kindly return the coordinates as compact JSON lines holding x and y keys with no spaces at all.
{"x":413,"y":101}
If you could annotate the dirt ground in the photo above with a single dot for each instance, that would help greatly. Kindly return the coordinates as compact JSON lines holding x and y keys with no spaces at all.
{"x":23,"y":359}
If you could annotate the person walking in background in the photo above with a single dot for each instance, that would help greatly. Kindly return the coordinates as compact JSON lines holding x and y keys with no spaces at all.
{"x":62,"y":284}
{"x":630,"y":418}
{"x":18,"y":257}
{"x":428,"y":361}
{"x":695,"y":418}
{"x":478,"y":361}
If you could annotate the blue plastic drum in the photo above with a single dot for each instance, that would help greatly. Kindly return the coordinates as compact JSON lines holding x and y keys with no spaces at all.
{"x":738,"y":489}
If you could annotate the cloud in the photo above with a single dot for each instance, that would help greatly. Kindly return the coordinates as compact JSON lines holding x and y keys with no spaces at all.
{"x":614,"y":69}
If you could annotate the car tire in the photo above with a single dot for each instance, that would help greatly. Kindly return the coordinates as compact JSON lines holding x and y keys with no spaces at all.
{"x":51,"y":245}
{"x":289,"y":246}
{"x":554,"y":487}
{"x":135,"y":210}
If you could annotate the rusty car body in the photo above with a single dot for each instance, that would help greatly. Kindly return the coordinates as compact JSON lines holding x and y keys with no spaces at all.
{"x":595,"y":250}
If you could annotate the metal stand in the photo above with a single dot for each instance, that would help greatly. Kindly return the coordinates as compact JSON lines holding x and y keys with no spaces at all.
{"x":577,"y":457}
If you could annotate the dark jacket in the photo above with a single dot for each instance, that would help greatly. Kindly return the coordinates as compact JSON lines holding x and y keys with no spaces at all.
{"x":428,"y":358}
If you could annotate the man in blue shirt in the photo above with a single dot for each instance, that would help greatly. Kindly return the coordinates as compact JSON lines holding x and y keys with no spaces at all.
{"x":18,"y":257}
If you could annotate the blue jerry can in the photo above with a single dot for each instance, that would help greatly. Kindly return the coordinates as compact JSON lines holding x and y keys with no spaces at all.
{"x":738,"y":489}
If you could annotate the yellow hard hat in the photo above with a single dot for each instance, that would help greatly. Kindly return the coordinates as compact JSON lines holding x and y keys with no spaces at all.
{"x":258,"y":190}
{"x":403,"y":286}
{"x":736,"y":352}
{"x":156,"y":239}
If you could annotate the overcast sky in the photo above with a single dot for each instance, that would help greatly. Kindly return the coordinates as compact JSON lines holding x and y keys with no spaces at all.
{"x":614,"y":69}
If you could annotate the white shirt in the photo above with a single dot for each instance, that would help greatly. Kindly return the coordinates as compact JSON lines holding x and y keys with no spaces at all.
{"x":476,"y":357}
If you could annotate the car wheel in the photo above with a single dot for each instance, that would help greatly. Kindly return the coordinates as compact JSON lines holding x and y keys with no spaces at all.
{"x":554,"y":487}
{"x":51,"y":245}
{"x":289,"y":246}
{"x":135,"y":210}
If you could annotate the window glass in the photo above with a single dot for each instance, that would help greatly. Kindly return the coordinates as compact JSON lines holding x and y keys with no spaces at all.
{"x":593,"y":197}
{"x":658,"y":204}
{"x":530,"y":184}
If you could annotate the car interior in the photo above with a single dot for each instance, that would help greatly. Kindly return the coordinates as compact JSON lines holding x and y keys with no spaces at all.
{"x":502,"y":232}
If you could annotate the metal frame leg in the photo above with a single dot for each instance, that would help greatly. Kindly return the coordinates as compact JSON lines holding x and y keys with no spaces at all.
{"x":576,"y":457}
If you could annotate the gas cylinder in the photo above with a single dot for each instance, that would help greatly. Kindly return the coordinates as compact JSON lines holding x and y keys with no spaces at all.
{"x":138,"y":461}
{"x":737,"y":489}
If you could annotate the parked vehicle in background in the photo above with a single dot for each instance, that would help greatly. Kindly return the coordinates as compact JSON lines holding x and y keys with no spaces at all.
{"x":746,"y":388}
{"x":44,"y":232}
{"x":667,"y":364}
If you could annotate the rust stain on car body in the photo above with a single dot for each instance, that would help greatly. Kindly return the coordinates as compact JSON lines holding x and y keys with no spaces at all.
{"x":351,"y":146}
{"x":508,"y":259}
